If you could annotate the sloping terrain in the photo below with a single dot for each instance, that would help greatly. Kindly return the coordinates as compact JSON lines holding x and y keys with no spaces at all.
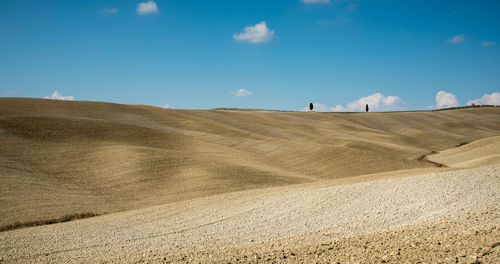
{"x":483,"y":152}
{"x":61,"y":158}
{"x":421,"y":217}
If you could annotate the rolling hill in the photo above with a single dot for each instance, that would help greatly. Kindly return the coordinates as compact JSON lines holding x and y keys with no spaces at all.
{"x":67,"y":158}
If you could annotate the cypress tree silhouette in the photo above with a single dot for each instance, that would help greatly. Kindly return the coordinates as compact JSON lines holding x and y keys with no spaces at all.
{"x":310,"y":106}
{"x":367,"y":108}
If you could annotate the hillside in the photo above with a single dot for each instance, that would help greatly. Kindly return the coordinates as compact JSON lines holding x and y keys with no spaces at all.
{"x":63,"y":158}
{"x":483,"y":152}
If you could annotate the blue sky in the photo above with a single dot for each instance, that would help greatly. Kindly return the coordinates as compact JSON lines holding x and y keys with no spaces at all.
{"x":394,"y":55}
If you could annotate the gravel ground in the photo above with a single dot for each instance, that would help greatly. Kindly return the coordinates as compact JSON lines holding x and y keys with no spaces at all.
{"x":468,"y":238}
{"x":252,"y":218}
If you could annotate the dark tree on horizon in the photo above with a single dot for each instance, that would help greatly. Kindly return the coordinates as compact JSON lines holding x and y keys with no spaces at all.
{"x":367,"y":108}
{"x":310,"y":106}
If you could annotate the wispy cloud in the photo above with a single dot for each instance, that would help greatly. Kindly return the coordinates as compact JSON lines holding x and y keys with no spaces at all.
{"x":10,"y":92}
{"x":487,"y":99}
{"x":145,"y":8}
{"x":340,"y":19}
{"x":241,"y":93}
{"x":488,"y":43}
{"x":376,"y":102}
{"x":255,"y":34}
{"x":167,"y":106}
{"x":346,"y":10}
{"x":58,"y":96}
{"x":109,"y":11}
{"x":456,"y":39}
{"x":352,"y":7}
{"x":315,"y":1}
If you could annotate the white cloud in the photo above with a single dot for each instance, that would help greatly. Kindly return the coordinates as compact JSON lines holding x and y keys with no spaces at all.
{"x":488,"y":43}
{"x":241,"y":93}
{"x":487,"y":99}
{"x":255,"y":34}
{"x":315,"y":1}
{"x":167,"y":106}
{"x":456,"y":39}
{"x":58,"y":96}
{"x":109,"y":11}
{"x":376,"y":102}
{"x":145,"y":8}
{"x":445,"y":99}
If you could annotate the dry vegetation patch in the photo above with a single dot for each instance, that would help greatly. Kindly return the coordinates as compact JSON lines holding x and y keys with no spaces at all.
{"x":63,"y":219}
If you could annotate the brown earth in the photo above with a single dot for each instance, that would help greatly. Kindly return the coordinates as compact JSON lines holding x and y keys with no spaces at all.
{"x":63,"y":160}
{"x":427,"y":216}
{"x":483,"y":152}
{"x":472,"y":238}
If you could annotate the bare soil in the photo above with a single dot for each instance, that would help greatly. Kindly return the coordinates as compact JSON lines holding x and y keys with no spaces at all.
{"x":167,"y":185}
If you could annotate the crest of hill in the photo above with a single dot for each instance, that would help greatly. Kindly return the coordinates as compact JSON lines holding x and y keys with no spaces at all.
{"x":63,"y":158}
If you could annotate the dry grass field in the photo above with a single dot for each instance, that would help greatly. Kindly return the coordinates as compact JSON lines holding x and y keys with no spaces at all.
{"x":243,"y":185}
